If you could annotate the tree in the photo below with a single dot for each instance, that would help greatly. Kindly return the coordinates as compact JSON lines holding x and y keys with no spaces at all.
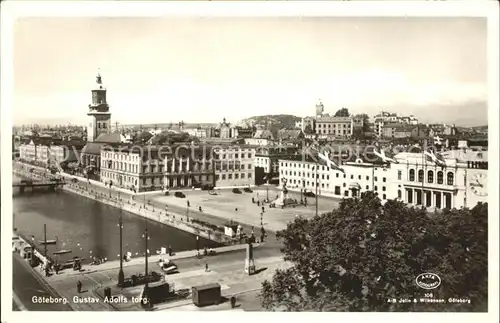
{"x":308,"y":129}
{"x":366,"y":122}
{"x":357,"y":257}
{"x":342,"y":113}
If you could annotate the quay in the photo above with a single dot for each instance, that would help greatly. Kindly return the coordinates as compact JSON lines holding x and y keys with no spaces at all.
{"x":51,"y":185}
{"x":172,"y":219}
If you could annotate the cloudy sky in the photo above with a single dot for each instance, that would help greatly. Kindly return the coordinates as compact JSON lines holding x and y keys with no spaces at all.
{"x":204,"y":69}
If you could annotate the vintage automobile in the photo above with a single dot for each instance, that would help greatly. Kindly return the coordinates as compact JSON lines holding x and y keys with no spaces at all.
{"x":212,"y":192}
{"x":236,"y":191}
{"x":309,"y":194}
{"x":248,"y":190}
{"x":180,"y":195}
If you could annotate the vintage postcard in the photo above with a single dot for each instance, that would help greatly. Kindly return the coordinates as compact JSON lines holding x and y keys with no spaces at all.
{"x":250,"y":157}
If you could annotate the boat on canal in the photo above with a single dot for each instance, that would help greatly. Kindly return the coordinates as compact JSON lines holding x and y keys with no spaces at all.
{"x":52,"y":241}
{"x":62,"y":252}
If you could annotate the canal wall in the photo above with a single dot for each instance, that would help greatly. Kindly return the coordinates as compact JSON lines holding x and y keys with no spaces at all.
{"x":171,"y":218}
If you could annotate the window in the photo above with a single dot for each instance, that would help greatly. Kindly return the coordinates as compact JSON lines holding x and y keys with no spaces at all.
{"x":230,"y":176}
{"x":384,"y":197}
{"x":359,"y":176}
{"x":337,"y":175}
{"x":383,"y":179}
{"x":430,"y":176}
{"x":421,"y":176}
{"x":449,"y":178}
{"x":344,"y":175}
{"x":367,"y":187}
{"x":343,"y":184}
{"x":399,"y":194}
{"x":375,"y":179}
{"x":217,"y":177}
{"x":236,"y":156}
{"x":376,"y":188}
{"x":346,"y":193}
{"x":440,"y":177}
{"x":411,"y":177}
{"x":249,"y":175}
{"x":352,"y":176}
{"x":383,"y":188}
{"x":242,"y":175}
{"x":236,"y":176}
{"x":223,"y":176}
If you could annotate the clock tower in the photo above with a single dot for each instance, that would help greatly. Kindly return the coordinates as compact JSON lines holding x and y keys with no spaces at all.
{"x":99,"y":116}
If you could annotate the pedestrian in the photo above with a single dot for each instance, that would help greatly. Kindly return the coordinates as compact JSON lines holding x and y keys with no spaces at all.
{"x":206,"y":267}
{"x":170,"y":251}
{"x":79,"y":287}
{"x":236,"y":209}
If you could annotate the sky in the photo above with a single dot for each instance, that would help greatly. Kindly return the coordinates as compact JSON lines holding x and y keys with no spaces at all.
{"x":160,"y":70}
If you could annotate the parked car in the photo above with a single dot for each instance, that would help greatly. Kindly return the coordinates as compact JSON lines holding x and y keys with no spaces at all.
{"x":180,"y":195}
{"x":212,"y":192}
{"x":248,"y":190}
{"x":236,"y":191}
{"x":309,"y":194}
{"x":207,"y":187}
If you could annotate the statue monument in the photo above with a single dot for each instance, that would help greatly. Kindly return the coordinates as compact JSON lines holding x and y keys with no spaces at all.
{"x":283,"y":199}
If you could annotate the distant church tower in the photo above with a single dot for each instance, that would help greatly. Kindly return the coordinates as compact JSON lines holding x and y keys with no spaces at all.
{"x":99,"y":116}
{"x":320,"y":108}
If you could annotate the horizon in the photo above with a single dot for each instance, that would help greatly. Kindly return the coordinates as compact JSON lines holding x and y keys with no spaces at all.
{"x":201,"y":70}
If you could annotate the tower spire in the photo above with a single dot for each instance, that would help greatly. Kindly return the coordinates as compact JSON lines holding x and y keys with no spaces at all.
{"x":98,"y":77}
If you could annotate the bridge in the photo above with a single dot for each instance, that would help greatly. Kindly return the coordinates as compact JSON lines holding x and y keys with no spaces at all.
{"x":51,"y":185}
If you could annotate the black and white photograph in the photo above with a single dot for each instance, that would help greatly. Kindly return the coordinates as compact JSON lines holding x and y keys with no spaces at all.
{"x":288,"y":158}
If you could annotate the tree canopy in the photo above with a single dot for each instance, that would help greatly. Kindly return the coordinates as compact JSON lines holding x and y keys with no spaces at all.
{"x":344,"y":112}
{"x":363,"y":254}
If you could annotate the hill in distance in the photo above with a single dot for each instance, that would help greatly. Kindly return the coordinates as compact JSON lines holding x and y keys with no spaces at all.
{"x":271,"y":121}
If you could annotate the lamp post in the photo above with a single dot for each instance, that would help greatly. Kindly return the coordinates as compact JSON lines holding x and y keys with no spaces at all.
{"x":121,"y":276}
{"x":187,"y":211}
{"x":198,"y":243}
{"x":146,"y":271}
{"x":316,"y":184}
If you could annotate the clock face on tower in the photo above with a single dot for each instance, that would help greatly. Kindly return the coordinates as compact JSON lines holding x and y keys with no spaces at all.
{"x":479,"y":184}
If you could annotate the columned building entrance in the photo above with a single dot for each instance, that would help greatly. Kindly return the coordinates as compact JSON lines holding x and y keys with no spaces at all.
{"x":429,"y":198}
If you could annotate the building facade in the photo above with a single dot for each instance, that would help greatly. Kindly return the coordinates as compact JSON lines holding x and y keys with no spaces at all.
{"x":150,"y":168}
{"x":414,"y":180}
{"x":28,"y":151}
{"x":234,"y":165}
{"x":359,"y":177}
{"x":337,"y":126}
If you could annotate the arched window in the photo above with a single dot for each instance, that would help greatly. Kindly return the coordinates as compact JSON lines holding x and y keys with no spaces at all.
{"x":412,"y":175}
{"x":440,"y":177}
{"x":430,"y":176}
{"x":421,"y":175}
{"x":449,"y":178}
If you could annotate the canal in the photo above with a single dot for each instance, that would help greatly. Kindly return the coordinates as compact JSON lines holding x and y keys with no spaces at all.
{"x":89,"y":228}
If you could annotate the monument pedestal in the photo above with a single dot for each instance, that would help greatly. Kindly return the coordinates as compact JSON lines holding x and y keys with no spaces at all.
{"x":249,"y":267}
{"x":249,"y":262}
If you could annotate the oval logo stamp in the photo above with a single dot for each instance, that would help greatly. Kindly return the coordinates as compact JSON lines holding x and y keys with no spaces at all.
{"x":428,"y":281}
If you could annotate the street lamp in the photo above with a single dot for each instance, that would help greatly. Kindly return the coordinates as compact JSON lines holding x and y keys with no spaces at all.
{"x":198,"y":244}
{"x":146,"y":286}
{"x":121,"y":275}
{"x":187,"y":211}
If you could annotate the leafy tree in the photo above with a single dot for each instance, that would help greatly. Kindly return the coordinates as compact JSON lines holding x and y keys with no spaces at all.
{"x":364,"y":253}
{"x":344,"y":112}
{"x":308,"y":129}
